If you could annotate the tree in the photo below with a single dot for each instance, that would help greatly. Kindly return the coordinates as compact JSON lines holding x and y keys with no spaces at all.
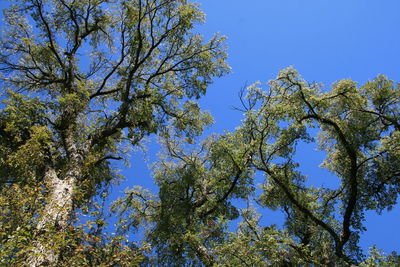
{"x":358,"y":129}
{"x":83,"y":80}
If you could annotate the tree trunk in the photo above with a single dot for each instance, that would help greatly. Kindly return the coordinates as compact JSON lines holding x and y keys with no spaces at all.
{"x":204,"y":255}
{"x":55,"y":219}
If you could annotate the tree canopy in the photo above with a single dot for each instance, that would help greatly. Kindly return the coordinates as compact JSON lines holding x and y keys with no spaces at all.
{"x":356,"y":127}
{"x":83,"y":82}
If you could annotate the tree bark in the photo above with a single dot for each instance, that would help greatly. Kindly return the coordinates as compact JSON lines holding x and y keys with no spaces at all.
{"x":204,"y":255}
{"x":56,"y":216}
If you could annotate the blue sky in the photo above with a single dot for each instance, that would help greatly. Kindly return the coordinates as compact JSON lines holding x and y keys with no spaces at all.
{"x":325,"y":41}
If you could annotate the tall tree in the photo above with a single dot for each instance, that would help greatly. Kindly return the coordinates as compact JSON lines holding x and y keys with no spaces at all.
{"x":358,"y":129}
{"x":85,"y":79}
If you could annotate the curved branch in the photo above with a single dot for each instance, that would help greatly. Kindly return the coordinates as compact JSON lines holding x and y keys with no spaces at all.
{"x":48,"y":32}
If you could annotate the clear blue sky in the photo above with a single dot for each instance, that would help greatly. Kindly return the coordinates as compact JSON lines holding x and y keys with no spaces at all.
{"x":325,"y":40}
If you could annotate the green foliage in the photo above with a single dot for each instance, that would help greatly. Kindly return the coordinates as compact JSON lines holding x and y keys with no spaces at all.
{"x":24,"y":138}
{"x":89,"y":79}
{"x":377,"y":258}
{"x":18,"y":206}
{"x":356,"y":128}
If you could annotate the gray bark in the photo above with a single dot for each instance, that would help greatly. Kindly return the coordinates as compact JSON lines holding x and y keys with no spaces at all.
{"x":55,"y":217}
{"x":204,"y":255}
{"x":58,"y":210}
